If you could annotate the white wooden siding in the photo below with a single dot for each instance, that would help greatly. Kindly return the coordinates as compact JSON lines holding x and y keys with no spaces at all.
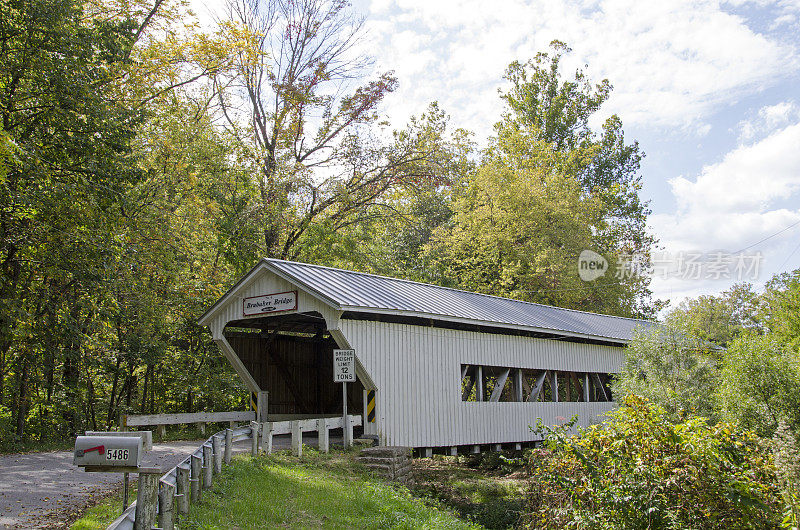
{"x":417,"y":372}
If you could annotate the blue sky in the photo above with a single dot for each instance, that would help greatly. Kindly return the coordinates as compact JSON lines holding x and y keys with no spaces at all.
{"x":711,"y":90}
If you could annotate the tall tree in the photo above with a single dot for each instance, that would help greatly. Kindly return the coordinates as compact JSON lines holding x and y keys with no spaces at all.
{"x":293,"y":100}
{"x":58,"y":64}
{"x":557,"y":111}
{"x":548,"y":188}
{"x":719,"y":319}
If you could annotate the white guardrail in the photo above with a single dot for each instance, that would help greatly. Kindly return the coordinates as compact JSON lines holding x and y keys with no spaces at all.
{"x":160,"y":498}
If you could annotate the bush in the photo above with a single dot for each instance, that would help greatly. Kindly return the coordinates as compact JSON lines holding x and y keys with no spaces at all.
{"x":760,"y":384}
{"x":671,"y":367}
{"x":787,"y":465}
{"x":639,"y":470}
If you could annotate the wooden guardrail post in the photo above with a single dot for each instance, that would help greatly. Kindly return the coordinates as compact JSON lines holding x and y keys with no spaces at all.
{"x":266,"y":437}
{"x":216,"y":446}
{"x":208,"y":467}
{"x":347,"y":432}
{"x":262,"y":399}
{"x":182,"y":486}
{"x":166,"y":504}
{"x":196,"y":479}
{"x":297,"y":438}
{"x":228,"y":445}
{"x":254,"y":438}
{"x":323,"y":435}
{"x":146,"y":500}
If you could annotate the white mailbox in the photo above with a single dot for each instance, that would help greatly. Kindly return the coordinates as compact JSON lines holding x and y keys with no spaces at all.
{"x":116,"y":451}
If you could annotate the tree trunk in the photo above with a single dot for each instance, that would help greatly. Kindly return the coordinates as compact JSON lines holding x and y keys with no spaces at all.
{"x":22,"y":398}
{"x":143,"y":406}
{"x":111,"y":399}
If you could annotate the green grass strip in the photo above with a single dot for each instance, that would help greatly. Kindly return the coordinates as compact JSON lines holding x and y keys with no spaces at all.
{"x":316,"y":492}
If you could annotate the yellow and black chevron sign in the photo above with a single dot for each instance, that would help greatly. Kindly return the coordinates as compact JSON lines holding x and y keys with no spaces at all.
{"x":254,"y":402}
{"x":371,"y":406}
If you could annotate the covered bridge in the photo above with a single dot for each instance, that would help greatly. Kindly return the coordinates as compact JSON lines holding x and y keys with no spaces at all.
{"x":436,"y":367}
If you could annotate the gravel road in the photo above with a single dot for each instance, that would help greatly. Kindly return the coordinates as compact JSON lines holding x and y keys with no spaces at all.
{"x":44,"y":490}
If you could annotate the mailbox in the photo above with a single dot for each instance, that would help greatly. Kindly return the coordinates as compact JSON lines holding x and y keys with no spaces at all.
{"x":116,"y":451}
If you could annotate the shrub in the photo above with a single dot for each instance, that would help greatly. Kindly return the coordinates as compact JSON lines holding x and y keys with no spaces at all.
{"x":787,"y":465}
{"x":760,"y":384}
{"x":671,"y":367}
{"x":640,"y":470}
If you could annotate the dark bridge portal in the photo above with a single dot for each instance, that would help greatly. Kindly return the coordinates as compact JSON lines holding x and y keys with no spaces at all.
{"x":292,"y":358}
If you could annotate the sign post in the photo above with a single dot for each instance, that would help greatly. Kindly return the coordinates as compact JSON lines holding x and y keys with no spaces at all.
{"x":344,"y":371}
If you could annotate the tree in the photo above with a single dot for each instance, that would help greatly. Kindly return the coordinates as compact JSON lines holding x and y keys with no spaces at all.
{"x":719,"y":319}
{"x":557,"y":112}
{"x":760,"y":384}
{"x":671,"y":368}
{"x":292,"y":101}
{"x":57,"y":69}
{"x":102,"y":219}
{"x":780,"y":311}
{"x":548,"y":188}
{"x":389,"y":236}
{"x":517,"y":227}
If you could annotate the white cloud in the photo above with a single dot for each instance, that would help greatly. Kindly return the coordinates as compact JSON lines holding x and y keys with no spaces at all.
{"x":752,"y":195}
{"x":673,"y":64}
{"x":748,"y":179}
{"x":767,"y":120}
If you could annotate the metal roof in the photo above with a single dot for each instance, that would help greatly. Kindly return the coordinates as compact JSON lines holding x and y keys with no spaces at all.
{"x":361,"y":292}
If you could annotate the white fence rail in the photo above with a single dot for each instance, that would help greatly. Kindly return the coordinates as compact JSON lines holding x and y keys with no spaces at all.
{"x":159,"y":500}
{"x":138,"y":420}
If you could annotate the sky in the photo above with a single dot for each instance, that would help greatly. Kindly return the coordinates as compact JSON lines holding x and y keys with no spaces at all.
{"x":709,"y":89}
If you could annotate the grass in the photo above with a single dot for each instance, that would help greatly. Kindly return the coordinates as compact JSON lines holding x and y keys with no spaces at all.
{"x":103,"y":513}
{"x":333,"y":491}
{"x":317,"y":491}
{"x":480,"y":490}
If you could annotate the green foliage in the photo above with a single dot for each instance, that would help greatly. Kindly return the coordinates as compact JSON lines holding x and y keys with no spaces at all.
{"x":491,"y":498}
{"x":760,"y":384}
{"x":112,"y":207}
{"x":787,"y":464}
{"x":548,"y":188}
{"x":719,"y":319}
{"x":781,"y":308}
{"x":732,"y":356}
{"x":669,"y":367}
{"x":640,"y":470}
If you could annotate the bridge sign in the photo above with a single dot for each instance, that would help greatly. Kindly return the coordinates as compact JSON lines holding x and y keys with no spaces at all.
{"x":344,"y":366}
{"x":269,"y":303}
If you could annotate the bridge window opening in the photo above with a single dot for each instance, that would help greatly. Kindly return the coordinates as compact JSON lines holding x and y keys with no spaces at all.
{"x":501,"y":384}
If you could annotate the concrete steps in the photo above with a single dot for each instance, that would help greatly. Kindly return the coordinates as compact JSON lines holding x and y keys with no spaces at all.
{"x":391,"y":463}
